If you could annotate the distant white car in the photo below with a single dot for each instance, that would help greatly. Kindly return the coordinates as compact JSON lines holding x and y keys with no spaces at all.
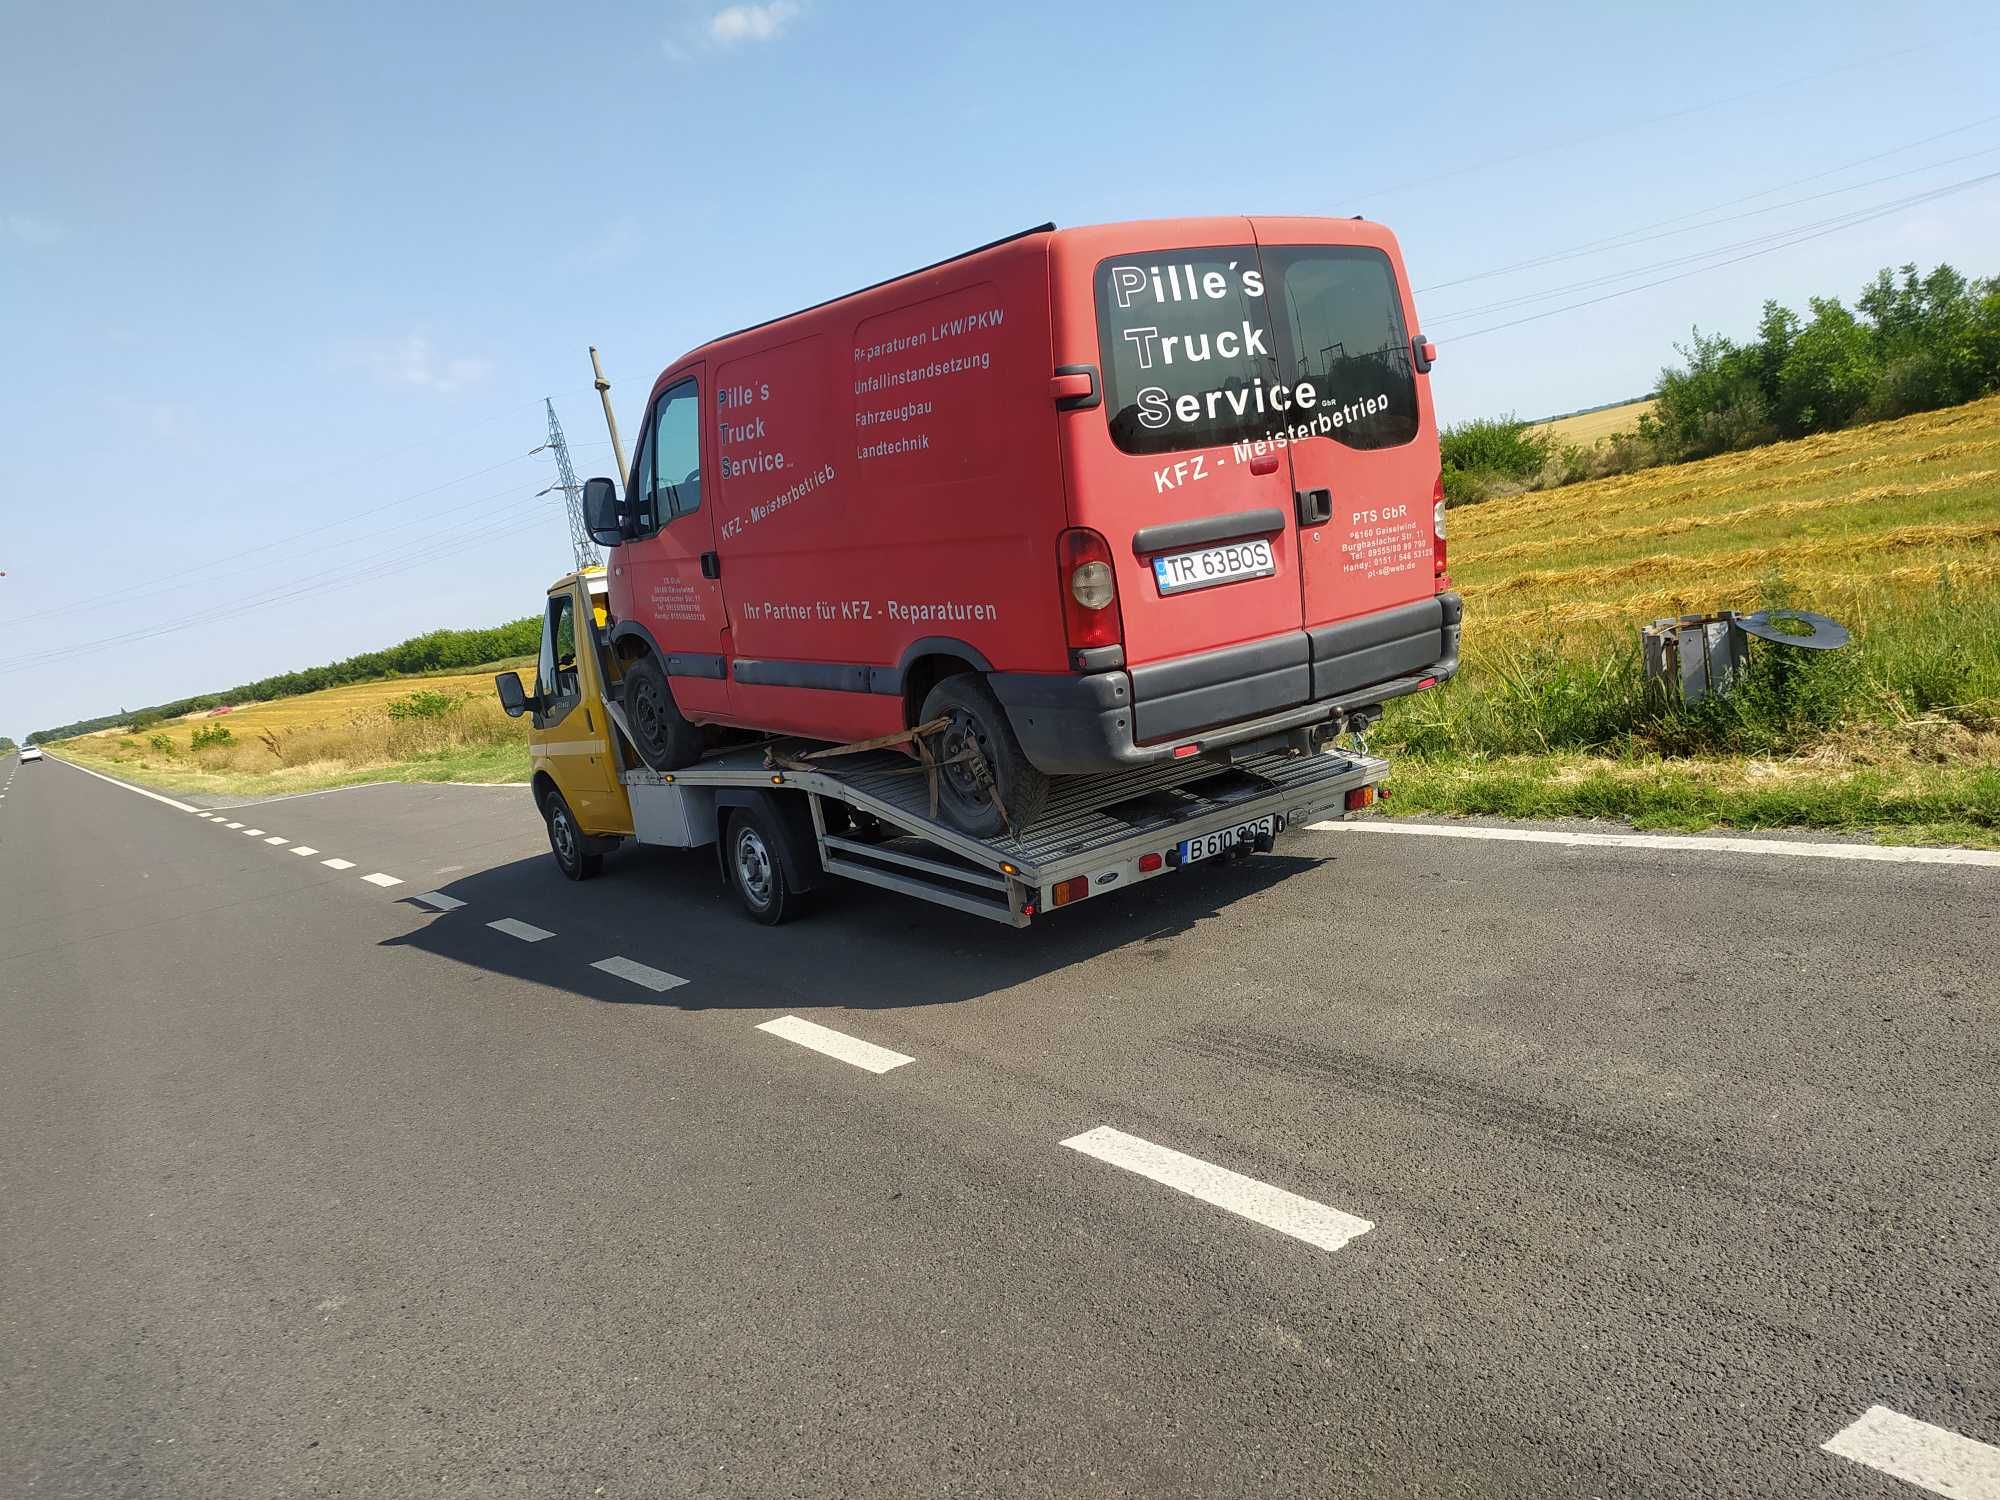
{"x":29,"y":753}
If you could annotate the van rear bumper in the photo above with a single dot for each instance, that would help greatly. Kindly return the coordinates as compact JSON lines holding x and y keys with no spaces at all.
{"x":1102,"y":721}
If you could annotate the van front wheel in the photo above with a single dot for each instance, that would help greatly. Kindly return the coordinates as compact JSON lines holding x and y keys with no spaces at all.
{"x":661,"y":734}
{"x":981,"y":755}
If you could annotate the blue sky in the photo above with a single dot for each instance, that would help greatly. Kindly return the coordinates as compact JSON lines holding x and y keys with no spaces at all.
{"x":282,"y":287}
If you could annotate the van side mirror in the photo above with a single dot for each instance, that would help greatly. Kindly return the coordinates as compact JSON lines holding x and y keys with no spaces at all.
{"x":513,"y":697}
{"x":600,"y":512}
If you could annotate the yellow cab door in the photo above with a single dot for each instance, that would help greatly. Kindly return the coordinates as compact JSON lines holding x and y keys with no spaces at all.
{"x":572,"y":740}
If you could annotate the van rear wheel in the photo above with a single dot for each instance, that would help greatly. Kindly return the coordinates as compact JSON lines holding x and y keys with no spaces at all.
{"x":978,"y":739}
{"x":661,"y":734}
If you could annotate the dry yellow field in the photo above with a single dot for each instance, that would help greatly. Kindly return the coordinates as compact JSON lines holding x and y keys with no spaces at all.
{"x":324,"y":739}
{"x":1586,"y":428}
{"x":1849,"y":520}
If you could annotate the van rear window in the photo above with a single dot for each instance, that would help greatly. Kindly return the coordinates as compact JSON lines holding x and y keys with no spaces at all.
{"x":1228,"y":344}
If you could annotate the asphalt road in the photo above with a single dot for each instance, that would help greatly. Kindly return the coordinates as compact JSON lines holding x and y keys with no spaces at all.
{"x":1670,"y":1165}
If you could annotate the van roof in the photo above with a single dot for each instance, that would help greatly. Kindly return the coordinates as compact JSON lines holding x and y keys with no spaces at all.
{"x":1005,"y":239}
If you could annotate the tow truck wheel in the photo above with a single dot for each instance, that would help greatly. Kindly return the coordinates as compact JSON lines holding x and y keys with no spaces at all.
{"x":661,"y":734}
{"x":572,"y":848}
{"x":978,"y":739}
{"x":756,"y":868}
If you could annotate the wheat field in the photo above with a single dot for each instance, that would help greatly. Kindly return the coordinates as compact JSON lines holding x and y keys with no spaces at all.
{"x":1585,"y":428}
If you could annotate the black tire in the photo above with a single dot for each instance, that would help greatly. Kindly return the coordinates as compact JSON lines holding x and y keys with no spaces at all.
{"x":575,"y":851}
{"x":753,"y":857}
{"x":665,"y":740}
{"x":978,"y":721}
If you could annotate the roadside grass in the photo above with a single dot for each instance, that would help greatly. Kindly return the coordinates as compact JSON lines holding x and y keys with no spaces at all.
{"x":1893,"y":529}
{"x":446,"y":727}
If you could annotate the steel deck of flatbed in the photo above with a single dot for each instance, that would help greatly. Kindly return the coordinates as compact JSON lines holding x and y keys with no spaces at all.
{"x":1092,"y":826}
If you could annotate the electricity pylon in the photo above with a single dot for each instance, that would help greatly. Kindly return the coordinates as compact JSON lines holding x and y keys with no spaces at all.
{"x":579,"y":538}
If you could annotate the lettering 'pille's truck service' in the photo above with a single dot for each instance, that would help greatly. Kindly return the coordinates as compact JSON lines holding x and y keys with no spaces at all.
{"x":1098,"y":497}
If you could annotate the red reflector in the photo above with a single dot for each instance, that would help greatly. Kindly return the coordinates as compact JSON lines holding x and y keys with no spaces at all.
{"x":1071,"y":890}
{"x":1427,"y":682}
{"x":1150,"y":862}
{"x":1360,"y":797}
{"x":1182,"y":752}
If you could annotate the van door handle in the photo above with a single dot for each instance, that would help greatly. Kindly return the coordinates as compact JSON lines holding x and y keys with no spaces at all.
{"x":711,"y":565}
{"x":1315,"y":507}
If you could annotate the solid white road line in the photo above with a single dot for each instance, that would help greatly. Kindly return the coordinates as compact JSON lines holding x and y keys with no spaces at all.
{"x":1931,"y":1458}
{"x":1288,"y":1213}
{"x":656,"y":980}
{"x":378,"y":878}
{"x":304,"y":849}
{"x":338,"y":864}
{"x":836,"y":1044}
{"x":522,"y":930}
{"x":1896,"y":854}
{"x":274,"y":839}
{"x":439,"y":901}
{"x":186,"y":807}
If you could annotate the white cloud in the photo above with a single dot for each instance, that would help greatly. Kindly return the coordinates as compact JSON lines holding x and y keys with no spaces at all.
{"x":752,"y":23}
{"x":411,"y":363}
{"x":30,"y":230}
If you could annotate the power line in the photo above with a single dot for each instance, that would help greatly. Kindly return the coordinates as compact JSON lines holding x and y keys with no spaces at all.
{"x":1851,"y":222}
{"x":422,"y":557}
{"x":1637,"y":236}
{"x":1837,"y":221}
{"x":1762,"y":90}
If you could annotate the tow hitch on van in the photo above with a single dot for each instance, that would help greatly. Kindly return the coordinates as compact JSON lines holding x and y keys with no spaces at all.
{"x":785,"y":815}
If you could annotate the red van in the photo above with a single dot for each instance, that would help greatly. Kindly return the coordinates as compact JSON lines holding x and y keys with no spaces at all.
{"x":1099,"y":497}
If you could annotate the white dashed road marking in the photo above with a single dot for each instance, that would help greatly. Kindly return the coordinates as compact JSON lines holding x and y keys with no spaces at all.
{"x":1932,"y":1458}
{"x":251,"y":833}
{"x":1288,"y":1213}
{"x":304,"y":849}
{"x":274,"y":839}
{"x":521,"y":930}
{"x":232,"y":825}
{"x":338,"y":864}
{"x":1686,"y":843}
{"x":656,"y":980}
{"x":439,"y":900}
{"x":380,"y":879}
{"x":835,"y":1044}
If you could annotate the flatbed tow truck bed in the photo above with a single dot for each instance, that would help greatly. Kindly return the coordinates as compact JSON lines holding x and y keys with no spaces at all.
{"x":872,"y":820}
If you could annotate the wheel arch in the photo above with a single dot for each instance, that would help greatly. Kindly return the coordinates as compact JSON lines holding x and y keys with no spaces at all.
{"x":927,"y":662}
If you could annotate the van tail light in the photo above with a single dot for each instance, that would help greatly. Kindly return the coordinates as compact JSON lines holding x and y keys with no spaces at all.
{"x":1437,"y":535}
{"x":1089,"y":590}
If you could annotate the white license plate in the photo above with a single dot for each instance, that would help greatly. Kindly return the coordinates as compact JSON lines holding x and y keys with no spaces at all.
{"x":1225,"y":839}
{"x":1178,"y":572}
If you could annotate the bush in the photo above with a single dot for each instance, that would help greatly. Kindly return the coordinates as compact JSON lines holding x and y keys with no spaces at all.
{"x":427,"y":703}
{"x":211,"y":735}
{"x":1491,"y":456}
{"x":164,"y":743}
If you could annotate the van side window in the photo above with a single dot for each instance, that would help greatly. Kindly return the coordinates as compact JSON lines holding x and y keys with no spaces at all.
{"x":677,"y":451}
{"x":639,"y":493}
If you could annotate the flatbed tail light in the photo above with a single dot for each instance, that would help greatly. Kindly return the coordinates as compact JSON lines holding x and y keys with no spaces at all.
{"x":1070,"y":890}
{"x":1437,"y":534}
{"x":1360,"y":797}
{"x":1148,"y":863}
{"x":1089,"y":584}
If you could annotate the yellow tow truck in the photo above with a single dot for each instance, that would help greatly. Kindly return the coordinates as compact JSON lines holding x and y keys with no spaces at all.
{"x":785,"y":814}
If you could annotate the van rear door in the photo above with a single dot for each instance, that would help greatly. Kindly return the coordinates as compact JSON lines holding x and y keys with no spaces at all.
{"x":1201,"y":530}
{"x":1363,"y":451}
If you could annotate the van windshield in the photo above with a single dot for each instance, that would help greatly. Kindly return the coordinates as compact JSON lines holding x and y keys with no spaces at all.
{"x":1229,"y":343}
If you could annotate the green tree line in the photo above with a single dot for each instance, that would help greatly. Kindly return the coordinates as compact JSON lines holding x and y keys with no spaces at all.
{"x":438,"y":650}
{"x":1910,"y":343}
